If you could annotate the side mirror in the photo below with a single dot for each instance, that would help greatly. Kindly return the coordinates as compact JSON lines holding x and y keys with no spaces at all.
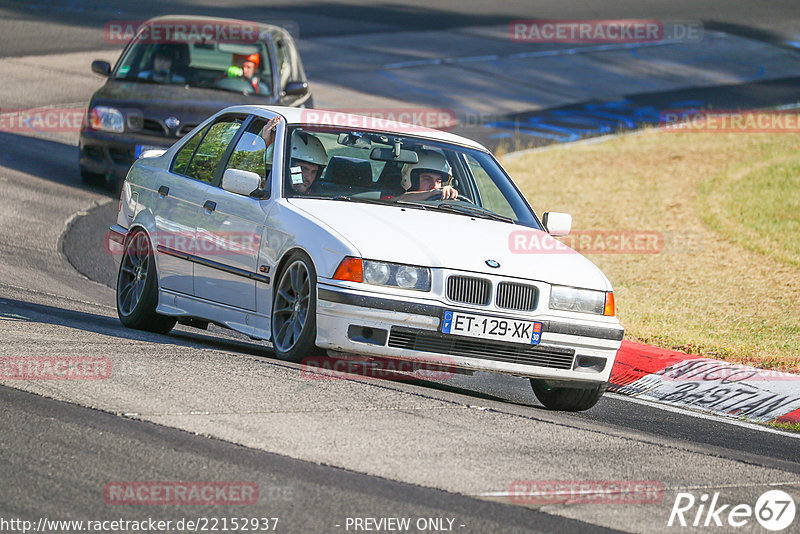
{"x":240,"y":182}
{"x":296,"y":88}
{"x":557,"y":224}
{"x":103,"y":68}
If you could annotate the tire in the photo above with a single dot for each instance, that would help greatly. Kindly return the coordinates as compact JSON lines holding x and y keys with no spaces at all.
{"x":294,"y":309}
{"x":137,"y":287}
{"x":566,"y":398}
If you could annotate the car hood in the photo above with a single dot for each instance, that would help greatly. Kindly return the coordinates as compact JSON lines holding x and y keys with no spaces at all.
{"x":191,"y":105}
{"x":453,"y":241}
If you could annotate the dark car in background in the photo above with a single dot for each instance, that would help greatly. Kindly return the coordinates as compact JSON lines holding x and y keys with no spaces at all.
{"x":175,"y":72}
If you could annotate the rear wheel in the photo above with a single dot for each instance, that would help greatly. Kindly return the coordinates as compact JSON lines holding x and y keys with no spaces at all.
{"x":568,"y":399}
{"x":137,"y":288}
{"x":294,"y":309}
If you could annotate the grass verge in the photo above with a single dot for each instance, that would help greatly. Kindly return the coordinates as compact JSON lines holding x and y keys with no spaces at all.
{"x":726,"y":283}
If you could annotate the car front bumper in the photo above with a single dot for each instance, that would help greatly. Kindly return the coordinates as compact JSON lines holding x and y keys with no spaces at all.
{"x":369,"y":323}
{"x":108,"y":153}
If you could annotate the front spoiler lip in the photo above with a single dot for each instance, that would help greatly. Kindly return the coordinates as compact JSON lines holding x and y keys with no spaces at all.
{"x":432,"y":310}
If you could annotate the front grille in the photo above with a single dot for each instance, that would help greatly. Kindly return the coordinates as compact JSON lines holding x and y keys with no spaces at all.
{"x":469,"y":290}
{"x":153,"y":127}
{"x":468,"y":347}
{"x":514,"y":296}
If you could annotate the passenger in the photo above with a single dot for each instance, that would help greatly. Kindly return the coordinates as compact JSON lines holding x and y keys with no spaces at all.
{"x":310,"y":156}
{"x":428,"y":178}
{"x":161,"y":72}
{"x":246,"y":68}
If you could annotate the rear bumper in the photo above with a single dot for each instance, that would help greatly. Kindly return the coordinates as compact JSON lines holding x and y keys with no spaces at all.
{"x":370,"y":324}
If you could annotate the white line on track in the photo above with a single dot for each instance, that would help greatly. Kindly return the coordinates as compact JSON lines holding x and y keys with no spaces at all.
{"x":701,"y":415}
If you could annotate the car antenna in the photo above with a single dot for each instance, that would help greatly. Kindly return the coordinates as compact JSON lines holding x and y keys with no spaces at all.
{"x":396,"y":148}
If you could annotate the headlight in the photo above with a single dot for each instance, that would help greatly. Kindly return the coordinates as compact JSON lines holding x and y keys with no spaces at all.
{"x":395,"y":275}
{"x":106,"y":119}
{"x":376,"y":273}
{"x":581,"y":300}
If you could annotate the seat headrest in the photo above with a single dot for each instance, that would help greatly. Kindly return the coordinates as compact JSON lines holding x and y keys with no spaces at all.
{"x":348,"y":171}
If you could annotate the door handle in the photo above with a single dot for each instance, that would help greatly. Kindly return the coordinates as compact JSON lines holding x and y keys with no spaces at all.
{"x":163,"y":191}
{"x":210,"y":206}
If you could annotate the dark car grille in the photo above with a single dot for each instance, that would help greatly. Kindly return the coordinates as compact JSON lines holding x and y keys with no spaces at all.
{"x":469,"y":290}
{"x":537,"y":355}
{"x":514,"y":296}
{"x":153,"y":127}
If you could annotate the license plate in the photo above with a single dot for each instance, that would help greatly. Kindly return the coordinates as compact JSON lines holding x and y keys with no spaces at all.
{"x":494,"y":328}
{"x":141,"y":149}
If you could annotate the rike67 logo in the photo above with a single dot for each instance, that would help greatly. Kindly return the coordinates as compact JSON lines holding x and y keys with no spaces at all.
{"x":774,"y":510}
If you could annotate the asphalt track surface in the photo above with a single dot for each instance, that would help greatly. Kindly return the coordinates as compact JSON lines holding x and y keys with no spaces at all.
{"x":62,"y":443}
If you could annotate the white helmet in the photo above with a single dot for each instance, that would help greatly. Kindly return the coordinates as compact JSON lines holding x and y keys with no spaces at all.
{"x":429,"y":161}
{"x":306,"y":147}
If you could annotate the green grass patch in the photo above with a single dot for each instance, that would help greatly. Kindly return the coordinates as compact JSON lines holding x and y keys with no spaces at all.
{"x":792,"y":427}
{"x":727,"y":283}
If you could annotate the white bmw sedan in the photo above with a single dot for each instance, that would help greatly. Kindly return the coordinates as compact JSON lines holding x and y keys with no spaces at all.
{"x":326,"y":231}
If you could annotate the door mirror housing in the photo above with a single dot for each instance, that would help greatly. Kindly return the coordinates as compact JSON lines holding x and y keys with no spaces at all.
{"x":557,"y":224}
{"x":240,"y":182}
{"x":295,"y":88}
{"x":103,"y":68}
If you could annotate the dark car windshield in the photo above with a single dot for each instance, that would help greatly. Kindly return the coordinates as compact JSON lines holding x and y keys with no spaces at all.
{"x":223,"y":66}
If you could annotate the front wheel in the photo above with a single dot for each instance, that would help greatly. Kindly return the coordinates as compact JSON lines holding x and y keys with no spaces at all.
{"x":568,"y":399}
{"x":137,"y":288}
{"x":294,"y":309}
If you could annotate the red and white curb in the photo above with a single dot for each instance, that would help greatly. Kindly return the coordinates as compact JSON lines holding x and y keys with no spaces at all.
{"x":698,"y":383}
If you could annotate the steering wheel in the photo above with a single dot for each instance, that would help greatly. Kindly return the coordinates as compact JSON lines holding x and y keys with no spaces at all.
{"x":460,"y":198}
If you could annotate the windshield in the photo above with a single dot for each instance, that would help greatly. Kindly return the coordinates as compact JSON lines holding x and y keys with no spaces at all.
{"x":241,"y":68}
{"x":359,"y":166}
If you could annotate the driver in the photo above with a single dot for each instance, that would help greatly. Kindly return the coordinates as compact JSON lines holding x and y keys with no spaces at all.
{"x":164,"y":57}
{"x":310,"y":156}
{"x":428,"y":178}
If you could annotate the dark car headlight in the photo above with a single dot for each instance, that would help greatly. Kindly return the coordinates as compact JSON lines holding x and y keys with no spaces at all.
{"x":106,"y":119}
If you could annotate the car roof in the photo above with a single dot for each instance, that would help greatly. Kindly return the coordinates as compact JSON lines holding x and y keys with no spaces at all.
{"x":323,"y":117}
{"x":200,"y":19}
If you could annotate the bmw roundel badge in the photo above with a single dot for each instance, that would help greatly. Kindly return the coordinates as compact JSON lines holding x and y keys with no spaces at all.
{"x":493,"y":264}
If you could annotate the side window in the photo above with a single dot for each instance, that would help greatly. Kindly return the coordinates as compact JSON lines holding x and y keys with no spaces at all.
{"x":182,"y":159}
{"x":209,"y":153}
{"x":254,"y":151}
{"x":284,"y":63}
{"x":249,"y":155}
